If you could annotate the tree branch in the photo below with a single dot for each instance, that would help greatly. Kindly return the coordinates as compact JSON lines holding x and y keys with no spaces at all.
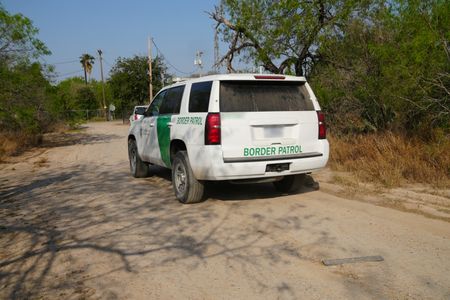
{"x":220,"y":19}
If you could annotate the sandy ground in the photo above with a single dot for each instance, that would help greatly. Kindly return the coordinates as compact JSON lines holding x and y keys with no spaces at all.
{"x":75,"y":225}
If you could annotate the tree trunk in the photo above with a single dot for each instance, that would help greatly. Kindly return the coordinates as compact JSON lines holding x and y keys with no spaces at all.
{"x":298,"y":68}
{"x":85,"y":75}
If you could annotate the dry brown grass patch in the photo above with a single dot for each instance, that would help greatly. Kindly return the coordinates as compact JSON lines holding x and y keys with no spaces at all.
{"x":391,"y":159}
{"x":12,"y":144}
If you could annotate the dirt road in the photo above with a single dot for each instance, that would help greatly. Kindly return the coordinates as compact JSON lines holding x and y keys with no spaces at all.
{"x":75,"y":224}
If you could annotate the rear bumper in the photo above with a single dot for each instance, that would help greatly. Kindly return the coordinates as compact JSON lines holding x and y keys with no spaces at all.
{"x":208,"y":164}
{"x":271,"y":158}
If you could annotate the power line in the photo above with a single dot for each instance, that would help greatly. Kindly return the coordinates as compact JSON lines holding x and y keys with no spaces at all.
{"x":70,"y":73}
{"x":168,"y":62}
{"x":150,"y":85}
{"x":64,"y":62}
{"x":107,"y":62}
{"x":160,"y":53}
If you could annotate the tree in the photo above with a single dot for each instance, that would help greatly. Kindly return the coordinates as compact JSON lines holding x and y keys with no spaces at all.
{"x":23,"y":94}
{"x":86,"y":61}
{"x":391,"y":73}
{"x":18,"y":38}
{"x":24,"y":88}
{"x":86,"y":99}
{"x":283,"y":36}
{"x":420,"y":59}
{"x":67,"y":91}
{"x":129,"y":79}
{"x":97,"y":88}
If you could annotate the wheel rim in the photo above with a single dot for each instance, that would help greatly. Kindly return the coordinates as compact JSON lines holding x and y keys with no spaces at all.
{"x":180,"y":178}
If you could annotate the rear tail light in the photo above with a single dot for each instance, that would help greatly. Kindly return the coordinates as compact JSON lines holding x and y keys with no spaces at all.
{"x":212,"y":129}
{"x":322,"y":126}
{"x":270,"y":77}
{"x":135,"y":117}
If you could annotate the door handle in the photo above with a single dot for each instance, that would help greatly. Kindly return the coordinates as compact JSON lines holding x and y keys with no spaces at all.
{"x":169,"y":124}
{"x":152,"y":124}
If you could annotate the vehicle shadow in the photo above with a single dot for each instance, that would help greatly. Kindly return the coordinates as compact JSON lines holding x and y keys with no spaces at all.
{"x":227,"y":191}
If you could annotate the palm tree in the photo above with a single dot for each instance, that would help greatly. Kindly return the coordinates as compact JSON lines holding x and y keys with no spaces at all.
{"x":87,"y":61}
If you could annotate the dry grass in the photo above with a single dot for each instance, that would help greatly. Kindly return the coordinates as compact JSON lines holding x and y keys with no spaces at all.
{"x":13,"y":144}
{"x":392,"y":160}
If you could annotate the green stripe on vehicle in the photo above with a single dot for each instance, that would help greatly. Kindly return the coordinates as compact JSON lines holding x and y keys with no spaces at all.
{"x":164,"y":138}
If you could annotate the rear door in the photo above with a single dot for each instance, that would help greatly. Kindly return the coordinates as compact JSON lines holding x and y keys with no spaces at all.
{"x":170,"y":106}
{"x":266,"y":120}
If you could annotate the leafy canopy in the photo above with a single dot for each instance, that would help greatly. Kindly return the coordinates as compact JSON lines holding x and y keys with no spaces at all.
{"x":129,"y":79}
{"x":87,"y":62}
{"x":18,"y":38}
{"x":283,"y":36}
{"x":391,"y":73}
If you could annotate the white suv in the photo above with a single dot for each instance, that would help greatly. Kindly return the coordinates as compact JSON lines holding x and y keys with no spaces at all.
{"x":237,"y":127}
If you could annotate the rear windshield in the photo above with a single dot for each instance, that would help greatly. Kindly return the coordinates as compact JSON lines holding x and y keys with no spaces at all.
{"x":247,"y":96}
{"x":140,"y":110}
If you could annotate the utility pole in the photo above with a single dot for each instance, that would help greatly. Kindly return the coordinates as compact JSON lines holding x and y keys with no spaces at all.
{"x":103,"y":82}
{"x":150,"y":87}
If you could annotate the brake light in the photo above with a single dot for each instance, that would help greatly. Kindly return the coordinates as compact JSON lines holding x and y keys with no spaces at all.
{"x":322,"y":126}
{"x":212,"y":129}
{"x":135,"y":117}
{"x":269,"y":77}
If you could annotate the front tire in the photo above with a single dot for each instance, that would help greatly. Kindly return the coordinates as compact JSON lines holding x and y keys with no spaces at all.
{"x":187,"y":188}
{"x":290,"y":184}
{"x":138,"y":168}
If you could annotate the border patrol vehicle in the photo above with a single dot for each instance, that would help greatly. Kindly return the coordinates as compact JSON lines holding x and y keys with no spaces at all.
{"x":235,"y":127}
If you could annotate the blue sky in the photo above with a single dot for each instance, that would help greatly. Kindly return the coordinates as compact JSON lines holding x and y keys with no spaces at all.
{"x":121,"y":28}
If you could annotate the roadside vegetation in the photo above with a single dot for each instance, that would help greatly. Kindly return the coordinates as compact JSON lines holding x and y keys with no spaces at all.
{"x":390,"y":159}
{"x":381,"y":71}
{"x":34,"y":100}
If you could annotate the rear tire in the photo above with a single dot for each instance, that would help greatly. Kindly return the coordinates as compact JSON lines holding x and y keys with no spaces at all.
{"x":290,"y":184}
{"x":187,"y":188}
{"x":138,"y":168}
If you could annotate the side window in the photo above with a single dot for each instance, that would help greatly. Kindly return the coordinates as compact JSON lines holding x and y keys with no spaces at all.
{"x":199,"y":97}
{"x":172,"y":101}
{"x":154,"y":108}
